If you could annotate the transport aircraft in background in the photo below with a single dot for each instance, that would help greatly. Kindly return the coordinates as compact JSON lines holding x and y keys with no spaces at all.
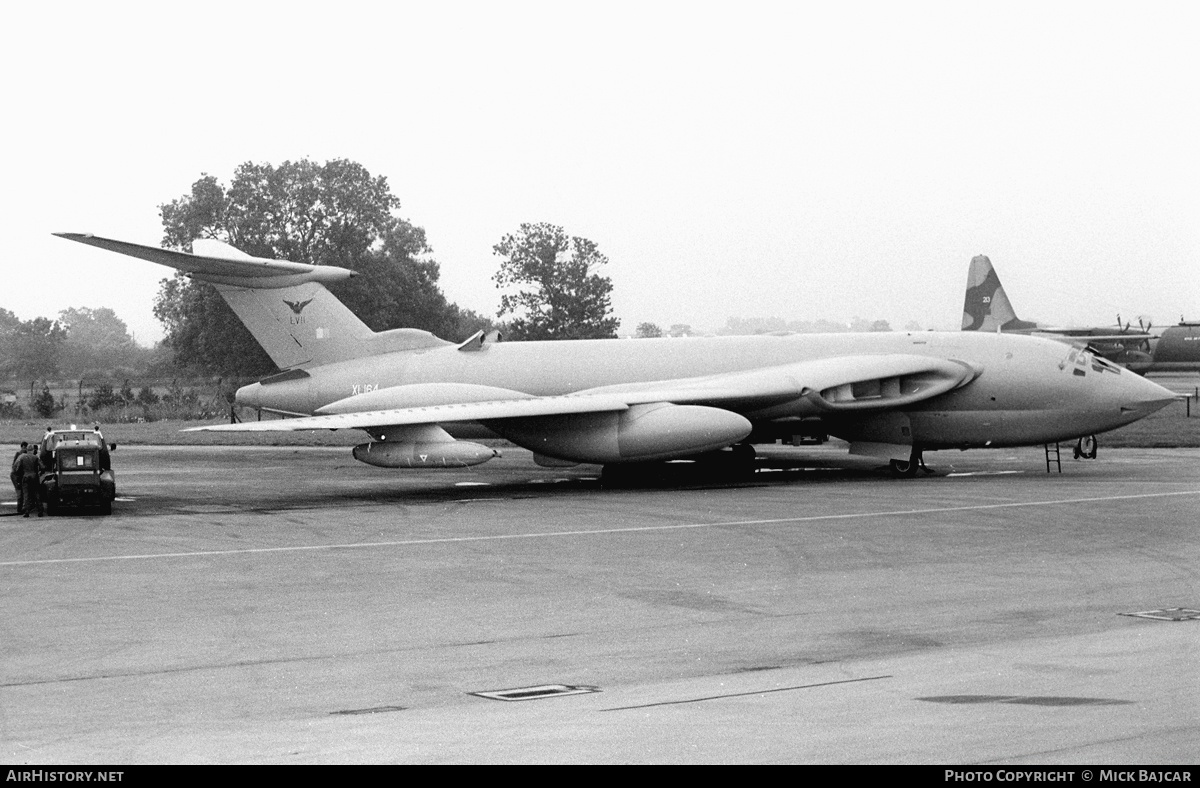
{"x":621,"y":403}
{"x":1174,"y":349}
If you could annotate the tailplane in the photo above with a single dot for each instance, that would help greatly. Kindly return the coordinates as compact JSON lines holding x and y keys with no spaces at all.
{"x":285,"y":305}
{"x":987,"y":307}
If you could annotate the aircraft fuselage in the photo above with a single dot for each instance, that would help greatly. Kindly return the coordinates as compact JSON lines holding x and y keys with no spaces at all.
{"x":1027,"y":390}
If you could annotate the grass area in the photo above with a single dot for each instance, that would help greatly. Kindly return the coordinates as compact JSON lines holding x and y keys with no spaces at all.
{"x":1169,"y":428}
{"x":171,"y":433}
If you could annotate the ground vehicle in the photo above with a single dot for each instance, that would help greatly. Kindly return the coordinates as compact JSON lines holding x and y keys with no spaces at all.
{"x":77,"y":470}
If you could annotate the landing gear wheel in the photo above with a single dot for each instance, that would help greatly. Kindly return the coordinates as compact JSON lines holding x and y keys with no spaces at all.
{"x":907,"y":469}
{"x":1086,"y":447}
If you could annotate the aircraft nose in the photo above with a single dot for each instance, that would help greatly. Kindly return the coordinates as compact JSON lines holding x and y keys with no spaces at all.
{"x":1141,"y":397}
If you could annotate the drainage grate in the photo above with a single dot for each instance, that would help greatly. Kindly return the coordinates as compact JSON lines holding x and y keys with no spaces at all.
{"x":1169,"y":614}
{"x":536,"y":693}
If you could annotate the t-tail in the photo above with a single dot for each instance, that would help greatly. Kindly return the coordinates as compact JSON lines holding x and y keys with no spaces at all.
{"x":285,"y":305}
{"x":987,"y":307}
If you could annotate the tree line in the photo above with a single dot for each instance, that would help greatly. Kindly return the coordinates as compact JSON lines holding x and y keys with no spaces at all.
{"x":334,"y":213}
{"x":81,"y":342}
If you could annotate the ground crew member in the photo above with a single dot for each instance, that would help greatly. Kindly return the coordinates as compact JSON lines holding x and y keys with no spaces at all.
{"x":28,"y":465}
{"x":16,"y":477}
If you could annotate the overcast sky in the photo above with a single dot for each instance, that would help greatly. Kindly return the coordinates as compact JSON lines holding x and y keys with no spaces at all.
{"x":796,"y":160}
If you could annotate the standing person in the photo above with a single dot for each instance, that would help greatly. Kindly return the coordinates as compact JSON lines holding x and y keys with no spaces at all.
{"x":28,"y":465}
{"x":16,"y":477}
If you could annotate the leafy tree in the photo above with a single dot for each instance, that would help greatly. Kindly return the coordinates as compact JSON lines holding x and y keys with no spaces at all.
{"x":104,"y":397}
{"x":386,"y":294}
{"x":561,"y":295}
{"x":8,"y":329}
{"x":32,"y":348}
{"x":648,"y":331}
{"x":8,"y":321}
{"x":97,"y":343}
{"x":45,"y":404}
{"x":335,"y":213}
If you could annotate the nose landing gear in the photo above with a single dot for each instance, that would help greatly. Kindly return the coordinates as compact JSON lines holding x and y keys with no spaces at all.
{"x":1086,"y":448}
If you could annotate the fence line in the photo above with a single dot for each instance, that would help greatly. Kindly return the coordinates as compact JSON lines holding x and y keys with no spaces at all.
{"x":118,"y":399}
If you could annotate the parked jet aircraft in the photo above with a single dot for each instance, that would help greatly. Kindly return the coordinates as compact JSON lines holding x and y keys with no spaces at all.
{"x":892,"y":395}
{"x":987,"y":308}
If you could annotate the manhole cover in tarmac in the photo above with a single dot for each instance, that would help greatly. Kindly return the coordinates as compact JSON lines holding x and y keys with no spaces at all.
{"x":535,"y":693}
{"x":1169,"y":614}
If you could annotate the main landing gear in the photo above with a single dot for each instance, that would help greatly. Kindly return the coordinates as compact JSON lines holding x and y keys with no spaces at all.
{"x":734,"y":463}
{"x":907,"y":469}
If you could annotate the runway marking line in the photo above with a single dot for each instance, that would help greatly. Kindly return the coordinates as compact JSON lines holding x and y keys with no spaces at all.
{"x":601,"y":531}
{"x":746,"y":694}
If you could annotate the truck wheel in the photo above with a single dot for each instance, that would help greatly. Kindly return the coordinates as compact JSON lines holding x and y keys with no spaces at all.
{"x":106,"y":507}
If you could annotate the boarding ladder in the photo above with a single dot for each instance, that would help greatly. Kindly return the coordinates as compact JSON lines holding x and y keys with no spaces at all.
{"x":1053,"y":454}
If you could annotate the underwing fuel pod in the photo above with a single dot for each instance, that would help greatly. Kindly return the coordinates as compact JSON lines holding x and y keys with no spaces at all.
{"x":428,"y":446}
{"x":617,"y":402}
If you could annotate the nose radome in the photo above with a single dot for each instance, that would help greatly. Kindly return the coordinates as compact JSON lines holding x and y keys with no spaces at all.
{"x":1144,"y":396}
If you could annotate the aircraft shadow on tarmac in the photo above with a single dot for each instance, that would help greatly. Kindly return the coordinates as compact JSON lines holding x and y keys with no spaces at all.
{"x":516,"y":482}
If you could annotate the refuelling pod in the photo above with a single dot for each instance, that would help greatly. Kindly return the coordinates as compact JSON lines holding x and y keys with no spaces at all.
{"x":426,"y":446}
{"x":654,"y":431}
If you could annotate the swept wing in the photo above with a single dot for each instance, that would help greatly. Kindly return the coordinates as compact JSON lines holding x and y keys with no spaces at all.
{"x":870,"y":382}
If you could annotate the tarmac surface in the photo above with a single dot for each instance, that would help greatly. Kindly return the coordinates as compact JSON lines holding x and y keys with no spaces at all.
{"x":284,"y":605}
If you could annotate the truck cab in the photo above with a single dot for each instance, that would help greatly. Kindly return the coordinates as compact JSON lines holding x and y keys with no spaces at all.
{"x":76,"y":470}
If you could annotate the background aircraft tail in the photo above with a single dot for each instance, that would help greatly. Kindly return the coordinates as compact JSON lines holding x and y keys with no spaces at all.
{"x":284,"y":305}
{"x":987,"y":307}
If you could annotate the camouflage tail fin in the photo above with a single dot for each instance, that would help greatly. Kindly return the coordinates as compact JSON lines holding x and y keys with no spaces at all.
{"x":987,"y":307}
{"x":284,"y":305}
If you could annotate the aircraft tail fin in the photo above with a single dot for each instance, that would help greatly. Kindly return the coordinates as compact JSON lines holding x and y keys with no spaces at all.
{"x":285,"y":305}
{"x":987,"y":307}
